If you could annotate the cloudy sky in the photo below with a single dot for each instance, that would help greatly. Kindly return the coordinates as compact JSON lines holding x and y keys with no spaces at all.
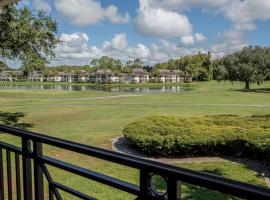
{"x":155,"y":30}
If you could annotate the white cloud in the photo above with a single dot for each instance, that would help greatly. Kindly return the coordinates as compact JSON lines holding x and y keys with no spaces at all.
{"x":112,"y":14}
{"x":89,"y":12}
{"x":187,"y":4}
{"x":161,"y":22}
{"x":165,"y":50}
{"x":199,"y":37}
{"x":232,"y":40}
{"x":118,"y":47}
{"x":190,"y":39}
{"x":242,"y":13}
{"x":140,"y":51}
{"x":75,"y":49}
{"x":187,"y":40}
{"x":119,"y":42}
{"x":42,"y":5}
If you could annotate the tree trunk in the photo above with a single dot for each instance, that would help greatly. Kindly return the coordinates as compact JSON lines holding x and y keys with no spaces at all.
{"x":247,"y":85}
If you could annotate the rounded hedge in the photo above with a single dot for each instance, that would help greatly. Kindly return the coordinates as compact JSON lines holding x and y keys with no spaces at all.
{"x":202,"y":136}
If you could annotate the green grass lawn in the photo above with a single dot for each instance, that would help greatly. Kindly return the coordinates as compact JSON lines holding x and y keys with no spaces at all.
{"x":81,"y":117}
{"x":227,"y":169}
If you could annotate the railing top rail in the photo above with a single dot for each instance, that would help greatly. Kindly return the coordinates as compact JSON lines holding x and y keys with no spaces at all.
{"x":197,"y":178}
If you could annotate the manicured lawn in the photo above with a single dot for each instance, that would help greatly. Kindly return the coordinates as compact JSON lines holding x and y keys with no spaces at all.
{"x":227,"y":169}
{"x":80,"y":116}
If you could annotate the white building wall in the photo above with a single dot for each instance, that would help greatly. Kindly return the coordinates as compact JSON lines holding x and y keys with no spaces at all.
{"x":57,"y":78}
{"x":114,"y":79}
{"x":136,"y":79}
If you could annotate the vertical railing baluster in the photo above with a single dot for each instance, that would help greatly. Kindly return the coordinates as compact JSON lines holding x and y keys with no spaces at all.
{"x":2,"y":188}
{"x":50,"y":192}
{"x":144,"y":190}
{"x":18,"y":176}
{"x":38,"y":173}
{"x":9,"y":176}
{"x":27,"y":170}
{"x":172,"y":188}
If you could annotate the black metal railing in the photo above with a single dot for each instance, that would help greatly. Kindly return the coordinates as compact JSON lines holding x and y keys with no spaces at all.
{"x":33,"y":187}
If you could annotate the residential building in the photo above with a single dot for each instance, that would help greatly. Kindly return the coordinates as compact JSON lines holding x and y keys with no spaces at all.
{"x":140,"y":76}
{"x":11,"y":75}
{"x":104,"y":76}
{"x":56,"y":77}
{"x":35,"y":77}
{"x":169,"y":76}
{"x":124,"y":78}
{"x":99,"y":76}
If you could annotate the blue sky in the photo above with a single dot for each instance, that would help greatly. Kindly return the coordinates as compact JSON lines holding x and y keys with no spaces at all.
{"x":154,"y":30}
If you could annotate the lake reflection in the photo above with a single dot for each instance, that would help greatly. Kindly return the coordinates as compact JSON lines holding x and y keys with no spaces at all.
{"x":162,"y":89}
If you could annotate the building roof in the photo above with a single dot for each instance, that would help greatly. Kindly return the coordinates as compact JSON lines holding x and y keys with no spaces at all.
{"x":139,"y":72}
{"x":104,"y":71}
{"x":36,"y":73}
{"x":12,"y":72}
{"x":66,"y":73}
{"x":167,"y":72}
{"x":123,"y":74}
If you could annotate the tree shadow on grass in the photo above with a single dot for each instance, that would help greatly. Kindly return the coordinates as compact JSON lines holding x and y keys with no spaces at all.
{"x":13,"y":120}
{"x":256,"y":90}
{"x":192,"y":192}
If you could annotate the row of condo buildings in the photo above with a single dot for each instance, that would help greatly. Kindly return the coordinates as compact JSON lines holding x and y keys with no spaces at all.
{"x":99,"y":76}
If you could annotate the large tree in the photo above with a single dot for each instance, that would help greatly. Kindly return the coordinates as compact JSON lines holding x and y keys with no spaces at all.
{"x":248,"y":65}
{"x":27,"y":35}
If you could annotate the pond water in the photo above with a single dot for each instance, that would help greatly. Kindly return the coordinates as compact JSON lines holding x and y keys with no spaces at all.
{"x":161,"y":89}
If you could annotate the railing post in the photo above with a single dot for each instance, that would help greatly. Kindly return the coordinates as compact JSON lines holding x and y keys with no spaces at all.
{"x":27,"y":170}
{"x":2,"y":191}
{"x":50,"y":192}
{"x":144,"y":185}
{"x":38,"y":173}
{"x":173,"y":189}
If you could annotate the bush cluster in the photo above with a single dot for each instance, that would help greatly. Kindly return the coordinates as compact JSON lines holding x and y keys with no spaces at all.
{"x":229,"y":135}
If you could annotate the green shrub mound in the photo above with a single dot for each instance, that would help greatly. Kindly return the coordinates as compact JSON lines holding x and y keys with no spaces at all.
{"x":202,"y":136}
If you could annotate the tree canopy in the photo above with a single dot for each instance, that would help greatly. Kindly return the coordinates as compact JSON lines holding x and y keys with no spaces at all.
{"x":197,"y":66}
{"x":27,"y":35}
{"x":250,"y":65}
{"x":106,"y":62}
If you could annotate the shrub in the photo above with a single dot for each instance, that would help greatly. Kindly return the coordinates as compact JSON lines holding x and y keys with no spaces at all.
{"x":202,"y":136}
